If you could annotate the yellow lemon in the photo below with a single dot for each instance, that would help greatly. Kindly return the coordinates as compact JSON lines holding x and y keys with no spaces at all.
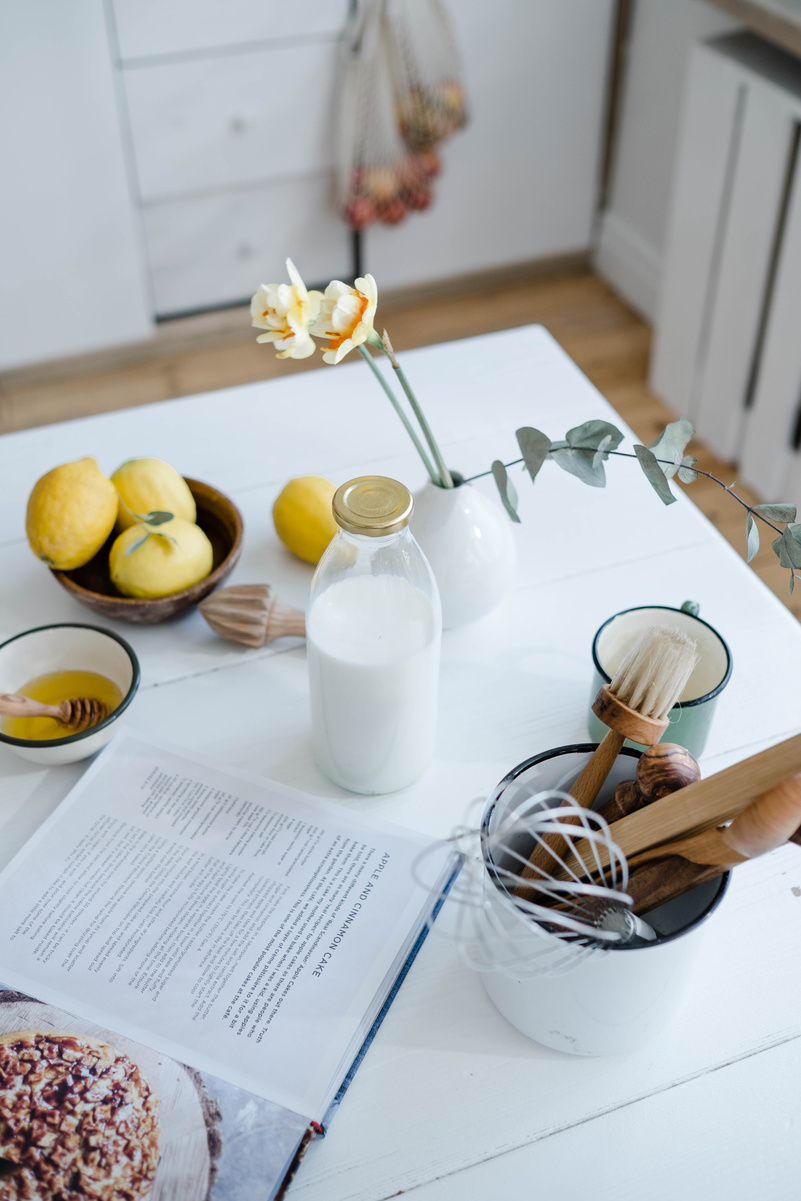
{"x":145,"y":485}
{"x":176,"y":557}
{"x":303,"y":518}
{"x":71,"y":512}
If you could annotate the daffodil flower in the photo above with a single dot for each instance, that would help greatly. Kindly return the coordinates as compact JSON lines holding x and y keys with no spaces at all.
{"x":346,"y":317}
{"x":287,"y":311}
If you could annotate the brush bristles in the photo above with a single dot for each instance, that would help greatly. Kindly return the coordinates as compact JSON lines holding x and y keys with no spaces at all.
{"x":654,"y":671}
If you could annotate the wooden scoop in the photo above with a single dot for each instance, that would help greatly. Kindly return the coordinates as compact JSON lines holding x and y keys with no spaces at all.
{"x":78,"y":714}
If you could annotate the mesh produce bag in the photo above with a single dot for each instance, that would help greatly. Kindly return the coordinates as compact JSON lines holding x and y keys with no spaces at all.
{"x":386,"y":153}
{"x":429,"y":99}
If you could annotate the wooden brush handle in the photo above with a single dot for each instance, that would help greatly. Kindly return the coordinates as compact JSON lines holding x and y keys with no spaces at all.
{"x":22,"y":706}
{"x":584,"y":791}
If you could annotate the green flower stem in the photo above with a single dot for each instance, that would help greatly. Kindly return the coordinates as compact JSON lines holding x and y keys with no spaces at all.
{"x":445,"y":475}
{"x":368,"y":358}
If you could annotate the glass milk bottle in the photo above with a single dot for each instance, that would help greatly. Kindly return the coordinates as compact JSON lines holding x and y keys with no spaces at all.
{"x":373,"y":641}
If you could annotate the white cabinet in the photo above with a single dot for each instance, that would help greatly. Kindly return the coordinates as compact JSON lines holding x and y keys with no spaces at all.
{"x":231,"y":114}
{"x":728,"y":347}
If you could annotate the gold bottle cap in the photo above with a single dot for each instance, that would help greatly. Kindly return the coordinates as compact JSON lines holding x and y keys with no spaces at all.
{"x":373,"y":506}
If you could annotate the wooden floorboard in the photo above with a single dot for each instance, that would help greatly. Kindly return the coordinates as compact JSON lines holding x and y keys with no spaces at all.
{"x":607,"y":340}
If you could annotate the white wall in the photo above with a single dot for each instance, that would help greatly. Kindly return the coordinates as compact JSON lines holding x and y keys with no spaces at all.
{"x":71,"y":279}
{"x":520,"y":182}
{"x":634,"y":226}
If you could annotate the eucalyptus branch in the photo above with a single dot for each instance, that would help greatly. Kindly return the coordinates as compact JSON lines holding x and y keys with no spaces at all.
{"x":446,"y":479}
{"x":622,"y":454}
{"x":586,"y":447}
{"x":368,"y":358}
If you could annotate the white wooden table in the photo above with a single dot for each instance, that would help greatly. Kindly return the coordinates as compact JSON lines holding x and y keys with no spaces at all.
{"x":451,"y":1102}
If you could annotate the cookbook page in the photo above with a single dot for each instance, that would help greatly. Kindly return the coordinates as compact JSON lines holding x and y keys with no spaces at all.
{"x":238,"y":926}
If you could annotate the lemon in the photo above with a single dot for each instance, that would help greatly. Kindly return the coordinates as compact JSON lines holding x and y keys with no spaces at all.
{"x":71,"y":512}
{"x":178,"y":556}
{"x":145,"y":485}
{"x":303,"y":518}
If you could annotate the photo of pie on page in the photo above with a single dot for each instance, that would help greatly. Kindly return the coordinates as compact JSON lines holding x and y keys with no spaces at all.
{"x":87,"y":1114}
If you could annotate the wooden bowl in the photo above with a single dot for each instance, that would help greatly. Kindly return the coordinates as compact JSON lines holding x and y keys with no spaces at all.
{"x":91,"y":584}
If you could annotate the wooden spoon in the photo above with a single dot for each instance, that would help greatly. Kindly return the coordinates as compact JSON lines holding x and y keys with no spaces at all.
{"x":78,"y":714}
{"x":662,"y":873}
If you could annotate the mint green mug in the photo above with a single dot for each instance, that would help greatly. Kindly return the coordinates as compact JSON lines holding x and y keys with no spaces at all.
{"x":691,"y":717}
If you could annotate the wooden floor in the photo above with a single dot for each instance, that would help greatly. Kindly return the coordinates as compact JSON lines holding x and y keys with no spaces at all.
{"x":607,"y":340}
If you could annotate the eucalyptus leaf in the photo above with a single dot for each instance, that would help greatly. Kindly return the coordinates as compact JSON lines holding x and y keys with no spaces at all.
{"x":534,"y":447}
{"x":795,"y":530}
{"x":751,"y":537}
{"x":580,"y":463}
{"x":670,"y":446}
{"x":788,"y":550}
{"x":135,"y":545}
{"x":792,"y":582}
{"x":685,"y":472}
{"x":777,"y":512}
{"x":654,"y":475}
{"x":600,"y":454}
{"x":157,"y":517}
{"x":506,"y":489}
{"x":591,"y":434}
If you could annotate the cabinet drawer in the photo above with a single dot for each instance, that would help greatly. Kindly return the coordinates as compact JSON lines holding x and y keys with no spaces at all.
{"x":155,"y":27}
{"x":214,"y":250}
{"x":241,"y":118}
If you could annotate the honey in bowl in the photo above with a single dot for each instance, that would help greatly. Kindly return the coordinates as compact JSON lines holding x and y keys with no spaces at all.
{"x":53,"y":688}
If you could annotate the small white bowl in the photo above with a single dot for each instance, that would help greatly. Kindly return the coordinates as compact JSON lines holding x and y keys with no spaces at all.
{"x":68,"y":647}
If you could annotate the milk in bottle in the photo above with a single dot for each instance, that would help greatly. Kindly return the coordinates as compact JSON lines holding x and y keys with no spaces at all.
{"x":373,"y":644}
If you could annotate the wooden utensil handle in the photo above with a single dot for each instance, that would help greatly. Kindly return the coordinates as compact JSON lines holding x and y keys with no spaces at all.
{"x":664,"y":879}
{"x":708,"y":802}
{"x":584,"y":791}
{"x":768,"y":822}
{"x":22,"y":706}
{"x":590,"y":782}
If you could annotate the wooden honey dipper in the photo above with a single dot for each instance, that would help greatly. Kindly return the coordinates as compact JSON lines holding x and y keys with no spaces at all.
{"x":77,"y":714}
{"x":635,"y":705}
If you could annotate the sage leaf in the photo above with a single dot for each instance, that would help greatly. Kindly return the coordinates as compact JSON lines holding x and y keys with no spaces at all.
{"x":506,"y":489}
{"x":534,"y":447}
{"x":777,"y":512}
{"x":591,"y":434}
{"x":685,"y":472}
{"x":157,"y":517}
{"x":135,"y":545}
{"x":751,"y":537}
{"x":787,"y":549}
{"x":670,"y":446}
{"x":654,"y":475}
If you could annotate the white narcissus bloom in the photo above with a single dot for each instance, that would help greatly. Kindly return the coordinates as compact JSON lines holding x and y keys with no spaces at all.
{"x":286,"y":311}
{"x":346,"y":316}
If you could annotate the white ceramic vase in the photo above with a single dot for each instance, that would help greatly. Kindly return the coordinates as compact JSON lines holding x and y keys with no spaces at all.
{"x":467,"y":538}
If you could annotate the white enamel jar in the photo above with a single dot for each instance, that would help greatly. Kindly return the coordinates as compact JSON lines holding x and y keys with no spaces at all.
{"x":615,"y":1001}
{"x":468,"y":541}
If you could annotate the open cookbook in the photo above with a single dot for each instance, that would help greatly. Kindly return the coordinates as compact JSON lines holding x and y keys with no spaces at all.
{"x":193,"y":962}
